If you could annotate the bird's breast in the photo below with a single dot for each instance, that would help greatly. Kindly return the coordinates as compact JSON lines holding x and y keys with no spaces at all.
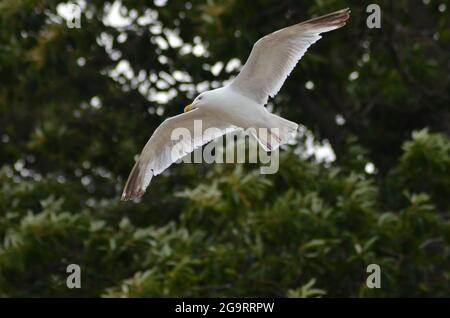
{"x":239,"y":111}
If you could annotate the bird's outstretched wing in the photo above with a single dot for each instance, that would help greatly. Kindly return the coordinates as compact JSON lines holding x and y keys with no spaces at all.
{"x":171,"y":141}
{"x":274,"y":56}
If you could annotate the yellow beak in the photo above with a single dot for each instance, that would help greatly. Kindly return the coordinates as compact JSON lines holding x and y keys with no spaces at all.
{"x":188,"y":108}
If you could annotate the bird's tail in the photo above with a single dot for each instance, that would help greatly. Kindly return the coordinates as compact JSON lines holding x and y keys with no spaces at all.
{"x":278,"y":132}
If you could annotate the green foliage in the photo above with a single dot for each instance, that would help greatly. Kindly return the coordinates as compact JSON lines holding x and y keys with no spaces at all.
{"x":426,"y":159}
{"x":239,"y":234}
{"x":71,"y":120}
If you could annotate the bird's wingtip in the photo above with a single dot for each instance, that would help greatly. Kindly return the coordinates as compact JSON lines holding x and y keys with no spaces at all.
{"x":135,"y":186}
{"x":329,"y":21}
{"x":127,"y":196}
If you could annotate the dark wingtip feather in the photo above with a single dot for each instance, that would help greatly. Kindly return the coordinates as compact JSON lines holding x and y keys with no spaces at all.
{"x":337,"y":18}
{"x":127,"y":196}
{"x":133,"y":187}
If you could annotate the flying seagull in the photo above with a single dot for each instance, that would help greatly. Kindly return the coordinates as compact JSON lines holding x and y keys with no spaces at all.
{"x":239,"y":104}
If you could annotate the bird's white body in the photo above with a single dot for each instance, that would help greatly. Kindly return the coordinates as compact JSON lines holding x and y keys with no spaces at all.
{"x":237,"y":105}
{"x":236,"y":109}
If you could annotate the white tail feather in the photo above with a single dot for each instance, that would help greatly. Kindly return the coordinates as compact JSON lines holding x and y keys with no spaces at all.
{"x":278,"y":132}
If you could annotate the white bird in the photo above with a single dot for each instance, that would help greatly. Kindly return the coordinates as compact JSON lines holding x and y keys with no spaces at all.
{"x":240,"y":104}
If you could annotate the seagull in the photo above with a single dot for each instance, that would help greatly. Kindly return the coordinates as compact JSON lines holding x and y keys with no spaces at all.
{"x":238,"y":105}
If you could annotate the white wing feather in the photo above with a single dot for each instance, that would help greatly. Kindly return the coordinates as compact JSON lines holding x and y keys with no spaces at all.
{"x":274,"y":56}
{"x":161,"y":151}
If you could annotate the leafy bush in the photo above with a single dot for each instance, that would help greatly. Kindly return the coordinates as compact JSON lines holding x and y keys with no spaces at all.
{"x":310,"y":230}
{"x":77,"y":104}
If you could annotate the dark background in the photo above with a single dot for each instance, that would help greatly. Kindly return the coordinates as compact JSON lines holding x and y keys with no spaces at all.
{"x":76,"y":106}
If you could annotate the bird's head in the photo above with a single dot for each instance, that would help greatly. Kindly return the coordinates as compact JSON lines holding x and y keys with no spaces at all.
{"x":200,"y":101}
